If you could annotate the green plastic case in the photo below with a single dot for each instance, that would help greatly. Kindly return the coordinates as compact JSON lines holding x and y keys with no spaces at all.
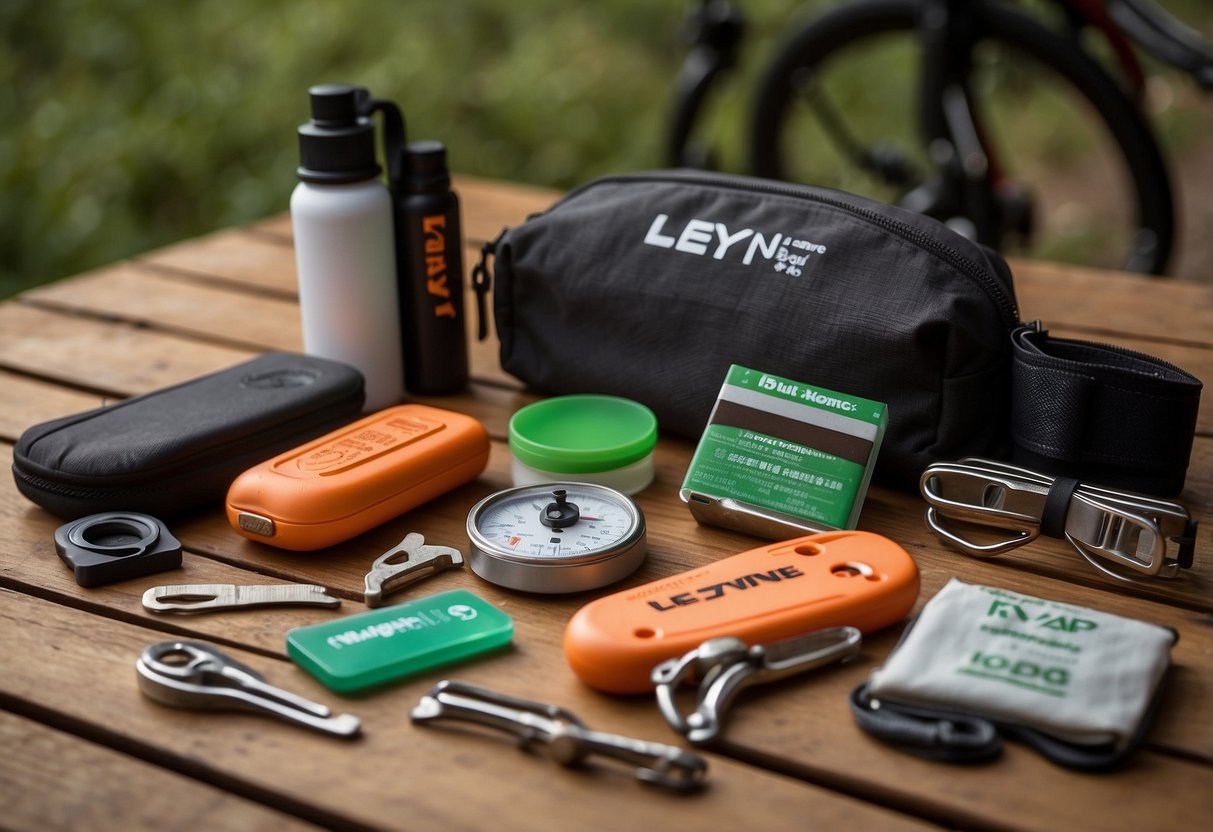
{"x":359,"y":651}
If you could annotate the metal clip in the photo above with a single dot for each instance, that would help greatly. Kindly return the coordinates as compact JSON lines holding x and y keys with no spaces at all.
{"x":408,"y":561}
{"x":189,"y":598}
{"x":1122,"y":534}
{"x":191,"y":674}
{"x":723,"y":667}
{"x":564,"y":737}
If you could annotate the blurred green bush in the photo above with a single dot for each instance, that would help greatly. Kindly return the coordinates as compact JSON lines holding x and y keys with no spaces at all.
{"x":129,"y":124}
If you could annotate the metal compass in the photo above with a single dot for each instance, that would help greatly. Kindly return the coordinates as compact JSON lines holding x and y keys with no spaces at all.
{"x":556,"y":537}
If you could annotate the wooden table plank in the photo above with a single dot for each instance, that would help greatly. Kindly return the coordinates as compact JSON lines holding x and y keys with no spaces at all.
{"x":25,"y":401}
{"x":111,"y":358}
{"x":1110,"y":303}
{"x":234,"y":256}
{"x":206,"y":310}
{"x":395,"y":774}
{"x":108,"y":790}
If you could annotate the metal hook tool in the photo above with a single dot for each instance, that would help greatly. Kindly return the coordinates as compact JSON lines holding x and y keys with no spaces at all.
{"x":408,"y":561}
{"x":1122,"y":534}
{"x":189,"y":598}
{"x":191,"y":674}
{"x":723,"y":667}
{"x":565,"y":738}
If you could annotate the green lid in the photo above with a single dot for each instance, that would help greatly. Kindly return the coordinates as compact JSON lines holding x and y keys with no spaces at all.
{"x":582,"y":434}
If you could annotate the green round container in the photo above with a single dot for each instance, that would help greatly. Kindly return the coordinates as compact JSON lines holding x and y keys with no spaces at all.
{"x":606,"y":440}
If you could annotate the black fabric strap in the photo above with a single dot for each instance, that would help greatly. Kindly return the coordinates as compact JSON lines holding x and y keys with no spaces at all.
{"x":1100,"y":413}
{"x":1057,"y":507}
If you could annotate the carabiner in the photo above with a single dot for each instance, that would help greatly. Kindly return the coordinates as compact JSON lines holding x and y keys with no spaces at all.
{"x":723,"y":667}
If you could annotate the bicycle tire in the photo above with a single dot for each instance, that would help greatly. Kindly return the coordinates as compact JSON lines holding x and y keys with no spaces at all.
{"x":846,"y":27}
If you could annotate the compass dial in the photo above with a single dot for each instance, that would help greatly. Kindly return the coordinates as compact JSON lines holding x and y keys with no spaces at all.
{"x":557,"y":537}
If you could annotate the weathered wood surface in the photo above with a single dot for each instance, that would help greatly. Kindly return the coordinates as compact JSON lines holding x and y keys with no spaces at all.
{"x":794,"y":754}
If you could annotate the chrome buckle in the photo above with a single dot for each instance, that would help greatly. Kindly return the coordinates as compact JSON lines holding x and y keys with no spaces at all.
{"x":1124,"y":535}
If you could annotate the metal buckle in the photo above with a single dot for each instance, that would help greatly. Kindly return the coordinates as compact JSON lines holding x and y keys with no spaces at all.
{"x":723,"y":667}
{"x":565,"y":737}
{"x":1124,"y":535}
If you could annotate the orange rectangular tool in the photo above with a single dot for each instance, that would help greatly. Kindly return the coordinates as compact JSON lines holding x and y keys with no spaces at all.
{"x":770,"y":593}
{"x":357,"y":477}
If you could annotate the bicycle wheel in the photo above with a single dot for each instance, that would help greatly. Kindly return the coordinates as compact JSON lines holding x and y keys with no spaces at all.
{"x":1060,"y":125}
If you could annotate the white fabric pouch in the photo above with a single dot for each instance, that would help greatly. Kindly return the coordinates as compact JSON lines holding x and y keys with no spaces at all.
{"x":1071,"y":680}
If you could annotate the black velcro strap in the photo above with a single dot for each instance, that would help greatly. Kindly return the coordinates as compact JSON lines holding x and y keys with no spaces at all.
{"x":1057,"y":506}
{"x":1100,"y":413}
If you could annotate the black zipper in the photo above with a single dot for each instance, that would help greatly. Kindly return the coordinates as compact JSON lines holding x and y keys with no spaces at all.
{"x":990,"y":284}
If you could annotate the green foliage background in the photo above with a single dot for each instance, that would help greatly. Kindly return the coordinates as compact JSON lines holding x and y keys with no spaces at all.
{"x":129,"y":124}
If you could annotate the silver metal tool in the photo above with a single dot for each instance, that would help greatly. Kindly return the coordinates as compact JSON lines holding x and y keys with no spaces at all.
{"x":191,"y":674}
{"x":190,"y":598}
{"x":408,"y":561}
{"x":1125,"y":535}
{"x":560,"y":733}
{"x":723,"y":667}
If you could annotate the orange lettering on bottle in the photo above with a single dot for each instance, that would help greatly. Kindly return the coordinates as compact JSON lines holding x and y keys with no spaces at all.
{"x":433,"y":228}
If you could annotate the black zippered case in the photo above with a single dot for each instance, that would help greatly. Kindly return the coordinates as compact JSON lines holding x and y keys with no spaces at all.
{"x":650,"y":285}
{"x":179,"y":448}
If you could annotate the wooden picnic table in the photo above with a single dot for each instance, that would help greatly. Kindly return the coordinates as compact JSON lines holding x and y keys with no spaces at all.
{"x":84,"y":750}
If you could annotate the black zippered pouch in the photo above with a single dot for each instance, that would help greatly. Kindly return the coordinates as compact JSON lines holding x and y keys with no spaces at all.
{"x":650,"y":285}
{"x":178,"y":448}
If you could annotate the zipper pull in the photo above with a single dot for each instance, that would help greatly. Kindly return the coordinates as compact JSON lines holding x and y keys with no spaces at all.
{"x":482,"y":283}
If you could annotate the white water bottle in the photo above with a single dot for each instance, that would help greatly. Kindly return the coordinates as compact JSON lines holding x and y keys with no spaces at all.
{"x":345,"y":253}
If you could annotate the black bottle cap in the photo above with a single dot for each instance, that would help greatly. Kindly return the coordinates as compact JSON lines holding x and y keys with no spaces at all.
{"x":338,"y":144}
{"x":425,"y":167}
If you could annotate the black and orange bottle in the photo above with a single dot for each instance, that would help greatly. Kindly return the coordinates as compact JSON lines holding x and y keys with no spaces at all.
{"x":430,"y":274}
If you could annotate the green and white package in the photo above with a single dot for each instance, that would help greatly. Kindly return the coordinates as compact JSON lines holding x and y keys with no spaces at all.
{"x":1080,"y":675}
{"x":788,"y":447}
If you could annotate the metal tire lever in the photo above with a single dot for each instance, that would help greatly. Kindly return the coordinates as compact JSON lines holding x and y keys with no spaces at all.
{"x":191,"y":598}
{"x":409,"y":560}
{"x":565,"y":738}
{"x":724,"y":667}
{"x":191,"y":674}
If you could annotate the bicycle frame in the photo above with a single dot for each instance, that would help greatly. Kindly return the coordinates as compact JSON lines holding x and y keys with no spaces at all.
{"x":971,"y":180}
{"x":965,"y":184}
